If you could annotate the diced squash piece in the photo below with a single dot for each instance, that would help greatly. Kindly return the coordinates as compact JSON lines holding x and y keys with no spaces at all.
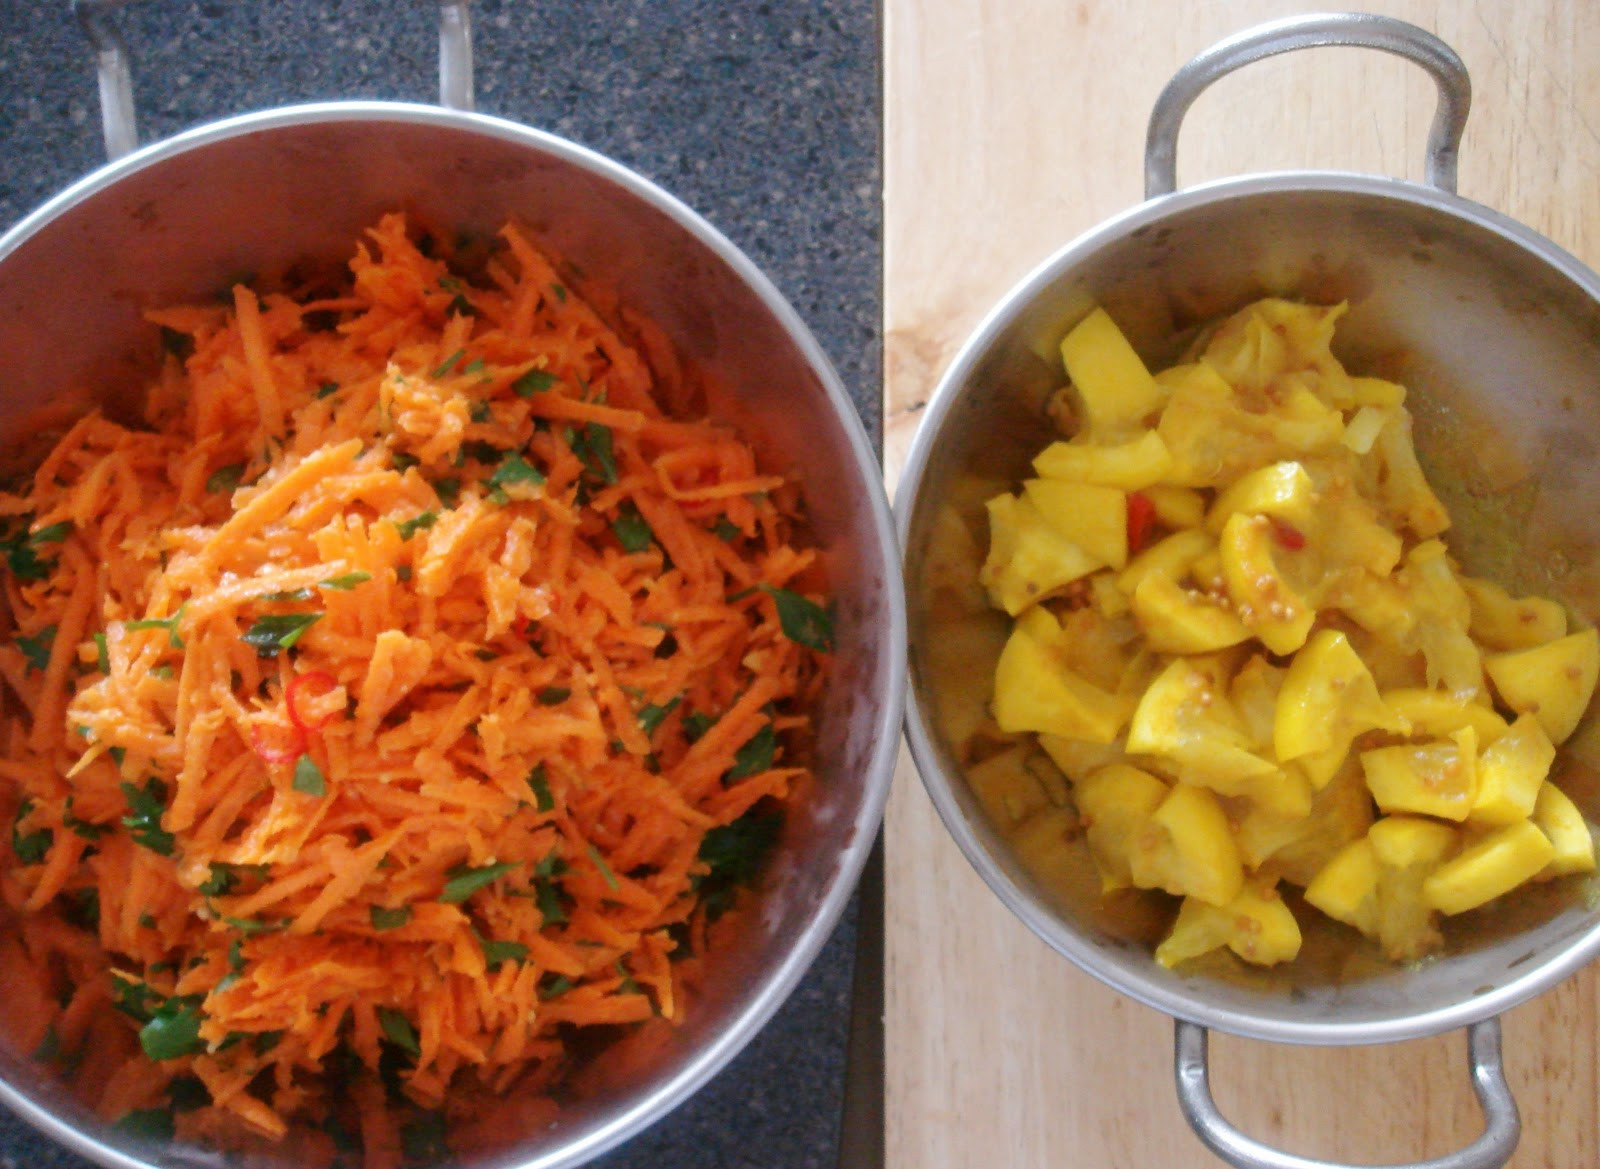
{"x":1131,"y":466}
{"x":1272,"y":337}
{"x":1438,"y":778}
{"x":1406,"y":842}
{"x":1408,"y":849}
{"x":1511,"y":770}
{"x":1256,"y":925}
{"x":1176,"y":507}
{"x":1376,"y":392}
{"x":1184,"y":715}
{"x":1362,"y":429}
{"x":1433,"y":714}
{"x":1559,"y":819}
{"x":1264,"y":600}
{"x":1077,"y":757}
{"x":1177,"y":620}
{"x":1035,"y":691}
{"x":1008,"y":792}
{"x":1187,"y":848}
{"x":1092,"y":517}
{"x":1397,"y":481}
{"x":1503,"y":622}
{"x":1298,"y":847}
{"x":1283,"y":490}
{"x":1114,"y":804}
{"x":1434,"y":593}
{"x":1170,"y":558}
{"x":1346,"y":888}
{"x":1328,"y":698}
{"x":1114,"y":388}
{"x":1107,"y":598}
{"x":1553,"y":682}
{"x":1044,"y":842}
{"x":1488,"y":868}
{"x":1029,"y":559}
{"x":1254,"y":690}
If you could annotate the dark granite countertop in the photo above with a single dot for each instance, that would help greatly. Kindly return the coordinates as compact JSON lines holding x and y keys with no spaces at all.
{"x":763,"y":116}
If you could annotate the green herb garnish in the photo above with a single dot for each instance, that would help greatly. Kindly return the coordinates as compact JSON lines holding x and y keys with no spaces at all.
{"x":146,"y":806}
{"x":463,"y":881}
{"x":409,"y":528}
{"x":397,"y":1030}
{"x":308,"y":777}
{"x":389,"y":919}
{"x":36,"y":649}
{"x":278,"y":631}
{"x":631,"y":529}
{"x":802,"y":621}
{"x":225,"y":478}
{"x":533,"y":382}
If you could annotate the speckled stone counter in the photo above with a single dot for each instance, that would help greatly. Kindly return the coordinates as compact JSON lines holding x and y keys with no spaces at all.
{"x":762,"y":116}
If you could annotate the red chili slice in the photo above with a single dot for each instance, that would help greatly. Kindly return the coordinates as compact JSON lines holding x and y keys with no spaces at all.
{"x":1288,"y":535}
{"x":273,"y":754}
{"x":319,"y":680}
{"x":1141,"y":517}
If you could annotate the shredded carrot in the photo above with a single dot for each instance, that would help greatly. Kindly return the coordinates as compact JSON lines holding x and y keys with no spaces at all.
{"x":417,"y":685}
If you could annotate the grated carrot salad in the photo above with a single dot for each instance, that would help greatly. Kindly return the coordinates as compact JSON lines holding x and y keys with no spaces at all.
{"x":412,"y":689}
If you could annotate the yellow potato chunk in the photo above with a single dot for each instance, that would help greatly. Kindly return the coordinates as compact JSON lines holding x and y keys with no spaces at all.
{"x":1503,"y":622}
{"x":1328,"y":698}
{"x":1436,"y":779}
{"x":1092,"y":517}
{"x":1559,"y":819}
{"x":1114,"y":388}
{"x":1187,"y":849}
{"x":1511,"y":770}
{"x":1131,"y":466}
{"x":1264,"y":600}
{"x":1029,"y":559}
{"x":1256,"y":925}
{"x":1115,"y":803}
{"x":1553,"y":682}
{"x":1489,"y":868}
{"x":1346,"y":888}
{"x":1035,"y":691}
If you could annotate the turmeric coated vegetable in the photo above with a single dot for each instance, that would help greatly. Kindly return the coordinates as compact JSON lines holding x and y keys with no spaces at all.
{"x":1238,"y":633}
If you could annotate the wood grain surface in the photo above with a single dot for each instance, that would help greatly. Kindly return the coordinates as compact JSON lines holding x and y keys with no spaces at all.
{"x":1012,"y":126}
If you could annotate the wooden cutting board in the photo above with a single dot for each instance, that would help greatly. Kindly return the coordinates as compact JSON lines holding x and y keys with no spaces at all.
{"x":1012,"y":126}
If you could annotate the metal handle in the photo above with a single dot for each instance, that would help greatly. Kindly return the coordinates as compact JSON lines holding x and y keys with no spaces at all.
{"x":1357,"y":29}
{"x":1502,"y":1126}
{"x":119,"y":118}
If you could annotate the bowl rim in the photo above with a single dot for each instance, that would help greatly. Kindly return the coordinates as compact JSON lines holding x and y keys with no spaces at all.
{"x":876,"y":773}
{"x":1139,"y":981}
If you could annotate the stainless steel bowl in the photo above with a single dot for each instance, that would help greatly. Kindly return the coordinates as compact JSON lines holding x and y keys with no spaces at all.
{"x":179,"y":219}
{"x":1501,"y":334}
